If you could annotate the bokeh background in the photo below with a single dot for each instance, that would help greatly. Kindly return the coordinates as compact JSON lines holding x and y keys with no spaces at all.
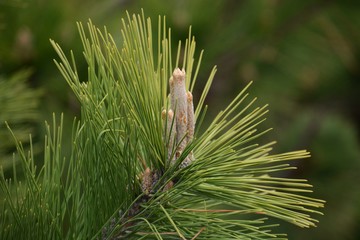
{"x":302,"y":56}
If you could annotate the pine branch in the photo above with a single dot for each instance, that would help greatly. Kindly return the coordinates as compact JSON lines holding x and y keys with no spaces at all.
{"x":140,"y":168}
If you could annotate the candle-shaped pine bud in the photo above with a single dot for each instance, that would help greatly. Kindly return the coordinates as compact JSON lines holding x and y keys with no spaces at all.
{"x":169,"y":132}
{"x":179,"y":98}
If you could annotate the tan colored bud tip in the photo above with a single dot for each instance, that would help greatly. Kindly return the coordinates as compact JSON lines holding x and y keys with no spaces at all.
{"x":179,"y":75}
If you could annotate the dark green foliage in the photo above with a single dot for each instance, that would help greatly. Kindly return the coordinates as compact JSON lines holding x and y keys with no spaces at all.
{"x":19,"y":107}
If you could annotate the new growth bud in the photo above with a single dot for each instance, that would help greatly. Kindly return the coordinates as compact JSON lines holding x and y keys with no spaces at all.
{"x":179,"y":103}
{"x":184,"y":125}
{"x":147,"y":181}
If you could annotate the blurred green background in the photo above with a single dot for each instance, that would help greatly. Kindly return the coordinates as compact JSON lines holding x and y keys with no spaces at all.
{"x":303,"y":57}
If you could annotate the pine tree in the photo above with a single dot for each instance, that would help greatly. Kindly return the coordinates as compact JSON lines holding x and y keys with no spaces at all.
{"x":142,"y":164}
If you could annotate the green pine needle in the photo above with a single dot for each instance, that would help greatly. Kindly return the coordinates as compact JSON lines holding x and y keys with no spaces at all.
{"x":19,"y":106}
{"x":96,"y":192}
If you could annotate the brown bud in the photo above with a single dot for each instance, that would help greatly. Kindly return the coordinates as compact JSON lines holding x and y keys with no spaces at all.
{"x":147,"y":181}
{"x":168,"y":186}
